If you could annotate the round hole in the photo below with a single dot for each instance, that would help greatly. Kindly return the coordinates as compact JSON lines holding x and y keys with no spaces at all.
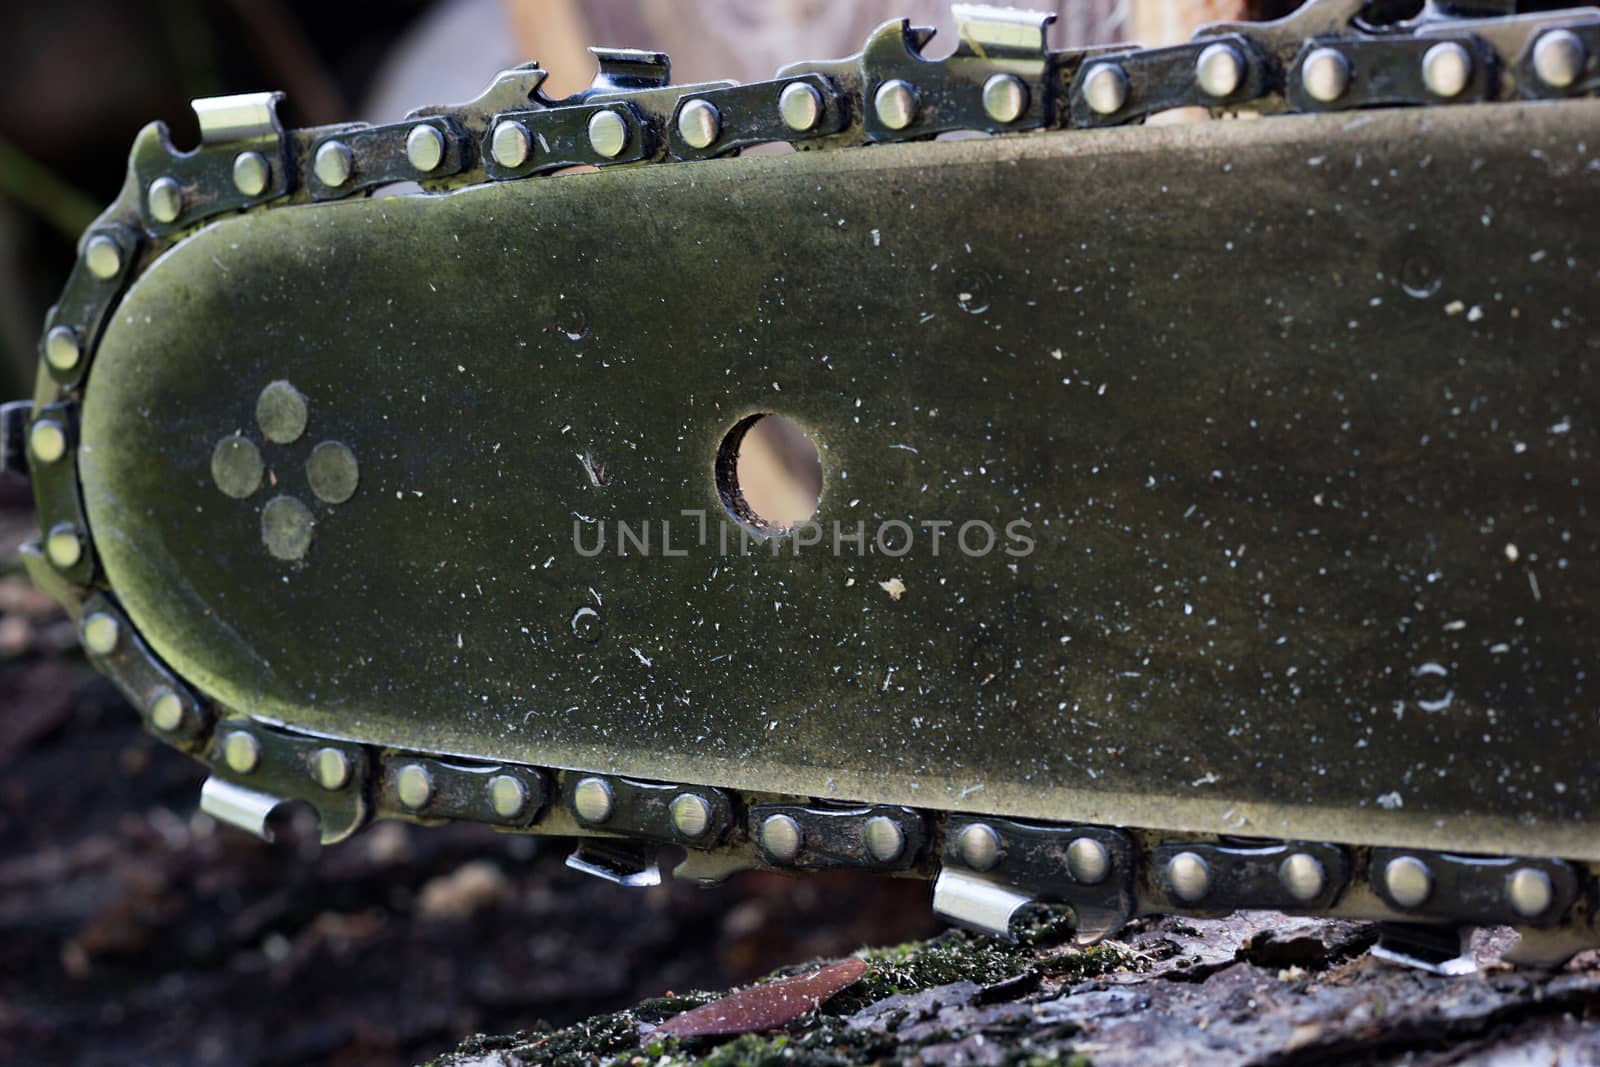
{"x":769,"y":473}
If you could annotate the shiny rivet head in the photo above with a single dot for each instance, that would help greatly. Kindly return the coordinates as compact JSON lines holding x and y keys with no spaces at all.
{"x":241,"y":752}
{"x":800,"y":105}
{"x":884,"y":839}
{"x":1105,"y":88}
{"x":47,"y":440}
{"x":593,"y":800}
{"x":978,"y":845}
{"x":331,"y":768}
{"x":251,"y":173}
{"x":334,"y":163}
{"x":510,"y":144}
{"x":781,"y":838}
{"x":424,"y":147}
{"x":1302,"y":877}
{"x":1005,"y":97}
{"x":1189,"y":876}
{"x":896,"y":103}
{"x":691,"y":815}
{"x":507,"y":796}
{"x":1530,"y":892}
{"x":699,"y":122}
{"x":165,"y":200}
{"x":1325,"y":75}
{"x":1219,"y":71}
{"x":64,"y":546}
{"x":1088,"y":862}
{"x":608,"y":134}
{"x":1558,"y":58}
{"x":1446,"y":69}
{"x":61,"y":349}
{"x":414,"y":785}
{"x":103,"y":256}
{"x":101,"y":632}
{"x":1408,"y":881}
{"x":166,"y":711}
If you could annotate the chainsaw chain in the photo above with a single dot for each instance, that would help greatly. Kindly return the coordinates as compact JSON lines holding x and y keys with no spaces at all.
{"x":1000,"y":80}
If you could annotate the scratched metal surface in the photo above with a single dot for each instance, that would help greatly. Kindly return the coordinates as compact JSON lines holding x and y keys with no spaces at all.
{"x":1296,"y":410}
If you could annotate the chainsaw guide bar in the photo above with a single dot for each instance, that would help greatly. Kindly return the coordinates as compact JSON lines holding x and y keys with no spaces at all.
{"x":1200,"y":511}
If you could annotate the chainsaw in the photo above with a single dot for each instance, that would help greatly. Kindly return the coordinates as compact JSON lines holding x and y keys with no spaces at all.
{"x":910,"y":464}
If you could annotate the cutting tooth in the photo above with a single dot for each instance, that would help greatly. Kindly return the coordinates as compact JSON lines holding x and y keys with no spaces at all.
{"x":238,"y":806}
{"x":976,"y":903}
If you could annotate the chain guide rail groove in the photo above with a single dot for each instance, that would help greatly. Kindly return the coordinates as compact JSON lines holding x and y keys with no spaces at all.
{"x":1000,"y":79}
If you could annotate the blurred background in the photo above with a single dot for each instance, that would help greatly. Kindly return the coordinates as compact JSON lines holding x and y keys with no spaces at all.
{"x":135,"y":930}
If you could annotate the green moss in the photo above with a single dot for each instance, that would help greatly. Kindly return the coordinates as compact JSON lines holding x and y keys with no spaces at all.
{"x":952,"y":957}
{"x":589,"y":1042}
{"x":1079,"y":964}
{"x":823,"y":1040}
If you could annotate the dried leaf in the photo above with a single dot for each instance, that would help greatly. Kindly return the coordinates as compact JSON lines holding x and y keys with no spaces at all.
{"x":765,"y":1007}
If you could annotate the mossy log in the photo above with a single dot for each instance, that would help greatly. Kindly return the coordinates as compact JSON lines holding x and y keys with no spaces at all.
{"x":1249,"y":989}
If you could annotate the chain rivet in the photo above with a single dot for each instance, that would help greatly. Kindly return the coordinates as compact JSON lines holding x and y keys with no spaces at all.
{"x":1005,"y":97}
{"x":781,"y":838}
{"x":1219,"y":71}
{"x":884,"y":839}
{"x":510,"y":144}
{"x":1190,"y":877}
{"x":251,"y":173}
{"x":1446,"y":69}
{"x":64,"y":546}
{"x":699,"y":123}
{"x":47,"y":440}
{"x":895,"y":103}
{"x":1325,"y":75}
{"x":61,"y":348}
{"x":334,"y":163}
{"x":425,"y":148}
{"x":1530,"y":892}
{"x":800,"y":105}
{"x":1302,"y":876}
{"x":164,"y":200}
{"x":414,"y":785}
{"x":1105,"y":88}
{"x":1088,"y":862}
{"x":101,"y":633}
{"x":1408,"y":881}
{"x":166,"y":710}
{"x":1558,"y":58}
{"x":331,"y":768}
{"x":241,"y":752}
{"x":979,"y":846}
{"x":593,"y":800}
{"x":608,"y":133}
{"x":507,"y":796}
{"x":691,"y":815}
{"x":104,"y":257}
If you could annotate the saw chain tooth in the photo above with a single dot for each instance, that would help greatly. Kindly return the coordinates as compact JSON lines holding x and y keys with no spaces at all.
{"x":977,"y":903}
{"x":1001,"y":33}
{"x":239,"y":806}
{"x":509,"y":90}
{"x":617,"y":861}
{"x":241,"y":117}
{"x":628,"y":70}
{"x":14,"y":418}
